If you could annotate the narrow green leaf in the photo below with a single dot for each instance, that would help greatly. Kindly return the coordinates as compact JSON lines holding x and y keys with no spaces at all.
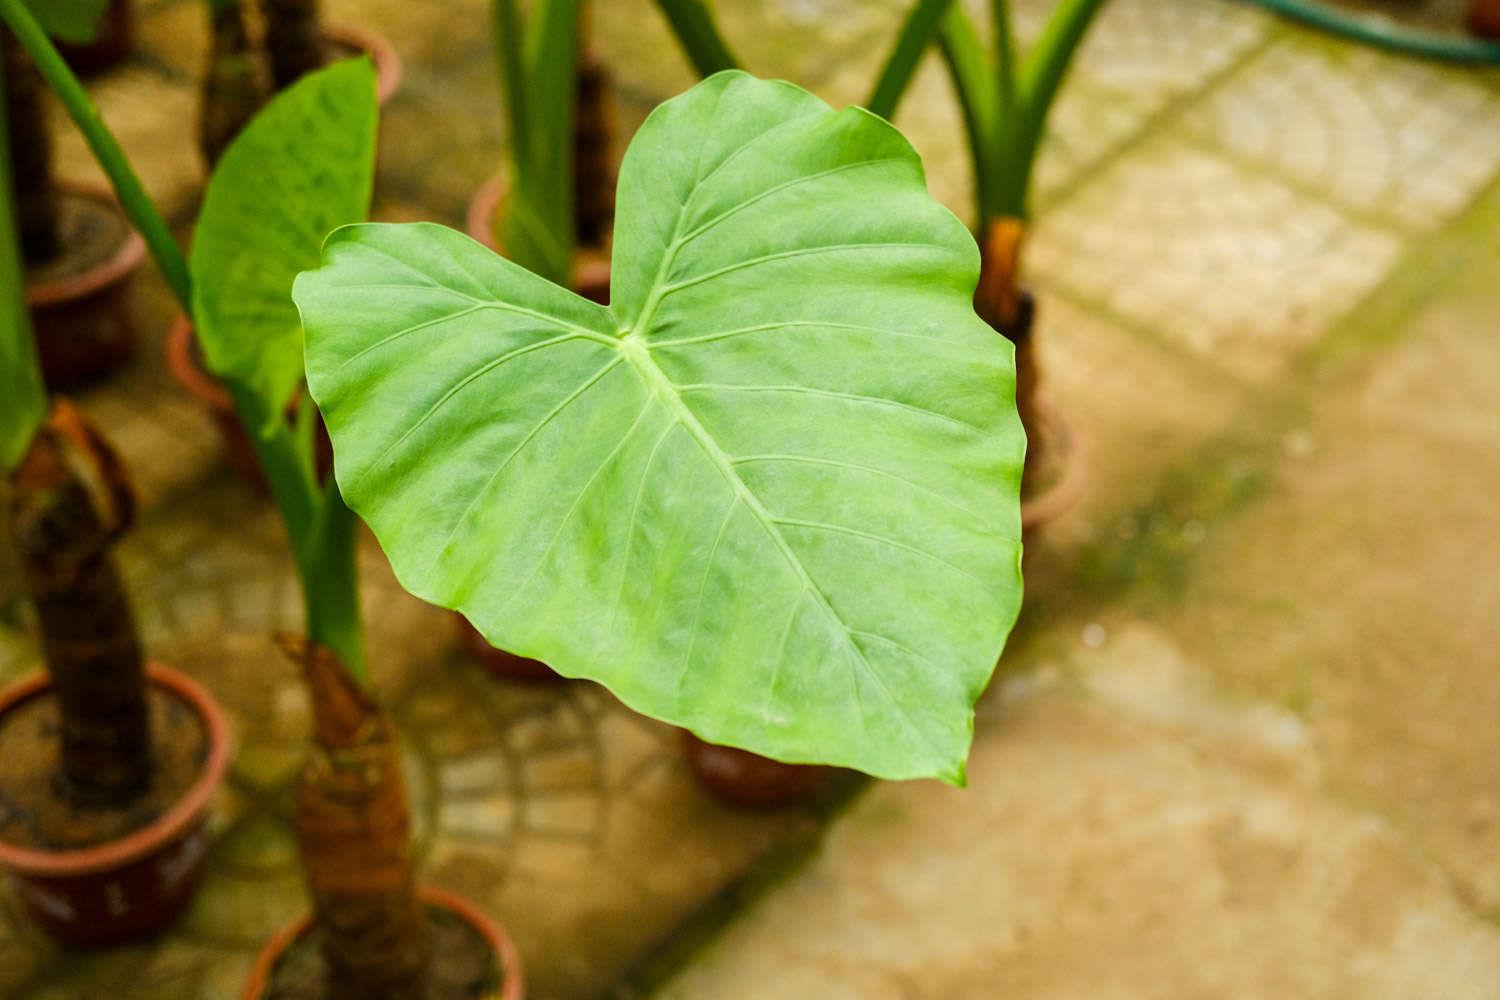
{"x":917,"y":32}
{"x":302,"y":167}
{"x":69,"y":20}
{"x":770,"y":493}
{"x":699,"y":37}
{"x":976,"y":83}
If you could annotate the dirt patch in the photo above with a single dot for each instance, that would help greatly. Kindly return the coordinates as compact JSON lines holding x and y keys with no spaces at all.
{"x":35,"y":814}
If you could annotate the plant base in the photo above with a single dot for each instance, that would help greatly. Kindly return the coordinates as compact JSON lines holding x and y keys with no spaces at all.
{"x":499,"y":663}
{"x":473,"y":958}
{"x":749,"y":780}
{"x":80,"y":302}
{"x":135,"y":884}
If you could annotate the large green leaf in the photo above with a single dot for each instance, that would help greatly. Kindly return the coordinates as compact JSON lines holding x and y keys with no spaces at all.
{"x":302,"y":167}
{"x":769,"y":494}
{"x":68,"y":20}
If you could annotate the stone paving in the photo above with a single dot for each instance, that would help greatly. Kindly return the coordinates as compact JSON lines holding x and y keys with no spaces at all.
{"x":1243,"y":743}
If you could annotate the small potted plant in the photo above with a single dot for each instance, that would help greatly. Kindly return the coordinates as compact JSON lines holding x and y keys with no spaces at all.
{"x":107,"y":763}
{"x":78,"y":248}
{"x":768,"y":494}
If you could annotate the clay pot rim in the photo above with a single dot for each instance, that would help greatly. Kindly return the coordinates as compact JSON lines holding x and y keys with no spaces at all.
{"x":1060,"y":496}
{"x":389,"y":69}
{"x":166,"y":827}
{"x":512,"y":984}
{"x":126,"y":258}
{"x":189,"y":373}
{"x":591,"y":265}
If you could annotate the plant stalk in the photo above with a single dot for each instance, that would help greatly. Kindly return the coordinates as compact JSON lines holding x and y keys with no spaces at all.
{"x":234,"y":88}
{"x":353,"y":825}
{"x":38,"y":205}
{"x":69,"y":502}
{"x":593,"y":142}
{"x":23,"y":399}
{"x":294,"y":39}
{"x":920,"y":28}
{"x":698,"y":36}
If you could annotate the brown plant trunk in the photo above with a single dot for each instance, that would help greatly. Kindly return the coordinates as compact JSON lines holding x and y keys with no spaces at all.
{"x":294,"y":39}
{"x":1484,"y":18}
{"x":234,"y":85}
{"x":69,"y":501}
{"x":354,"y":825}
{"x":593,"y":142}
{"x":1000,"y":302}
{"x":38,"y":212}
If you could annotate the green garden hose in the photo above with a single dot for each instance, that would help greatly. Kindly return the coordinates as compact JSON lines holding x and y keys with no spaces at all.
{"x":1383,"y":32}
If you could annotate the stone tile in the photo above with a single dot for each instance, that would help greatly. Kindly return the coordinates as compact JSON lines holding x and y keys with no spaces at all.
{"x":1392,"y":137}
{"x":1233,"y":267}
{"x":1129,"y":866}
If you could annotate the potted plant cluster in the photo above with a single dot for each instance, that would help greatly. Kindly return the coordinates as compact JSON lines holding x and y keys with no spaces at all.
{"x":769,"y":493}
{"x":78,"y":250}
{"x":374,"y":932}
{"x":107,"y":763}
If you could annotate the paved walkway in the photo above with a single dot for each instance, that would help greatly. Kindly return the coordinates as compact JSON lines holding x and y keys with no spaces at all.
{"x":1244,"y":743}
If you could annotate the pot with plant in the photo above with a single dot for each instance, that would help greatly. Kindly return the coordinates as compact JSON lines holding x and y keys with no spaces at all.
{"x":78,"y":250}
{"x":374,"y":932}
{"x":769,"y":494}
{"x":107,"y":762}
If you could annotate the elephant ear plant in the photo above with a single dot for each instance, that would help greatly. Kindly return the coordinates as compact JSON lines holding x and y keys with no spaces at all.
{"x":769,"y":493}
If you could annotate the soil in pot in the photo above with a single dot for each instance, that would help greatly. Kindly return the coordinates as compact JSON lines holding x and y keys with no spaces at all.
{"x":748,"y":780}
{"x":95,"y":875}
{"x":80,"y":300}
{"x":507,"y":666}
{"x":472,"y":959}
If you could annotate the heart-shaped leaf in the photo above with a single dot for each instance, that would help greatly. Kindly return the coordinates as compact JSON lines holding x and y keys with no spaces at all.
{"x":303,"y":166}
{"x":770,"y":494}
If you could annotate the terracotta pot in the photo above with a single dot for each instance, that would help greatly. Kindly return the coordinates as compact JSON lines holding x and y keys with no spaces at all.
{"x":83,"y":323}
{"x":749,"y":780}
{"x":499,"y":663}
{"x":1484,"y":18}
{"x":513,"y":986}
{"x":388,"y":67}
{"x":132,"y":887}
{"x":590,"y":264}
{"x":187,"y":367}
{"x":111,"y":44}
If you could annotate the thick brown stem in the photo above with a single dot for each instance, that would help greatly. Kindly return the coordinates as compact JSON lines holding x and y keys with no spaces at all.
{"x":1000,"y":302}
{"x":354,"y":825}
{"x":593,"y":143}
{"x":234,"y":86}
{"x":69,"y":502}
{"x":1484,"y":18}
{"x":38,"y":213}
{"x":294,"y":39}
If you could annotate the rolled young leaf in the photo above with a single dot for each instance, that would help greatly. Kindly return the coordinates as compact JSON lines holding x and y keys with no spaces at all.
{"x":770,"y":493}
{"x":303,"y":166}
